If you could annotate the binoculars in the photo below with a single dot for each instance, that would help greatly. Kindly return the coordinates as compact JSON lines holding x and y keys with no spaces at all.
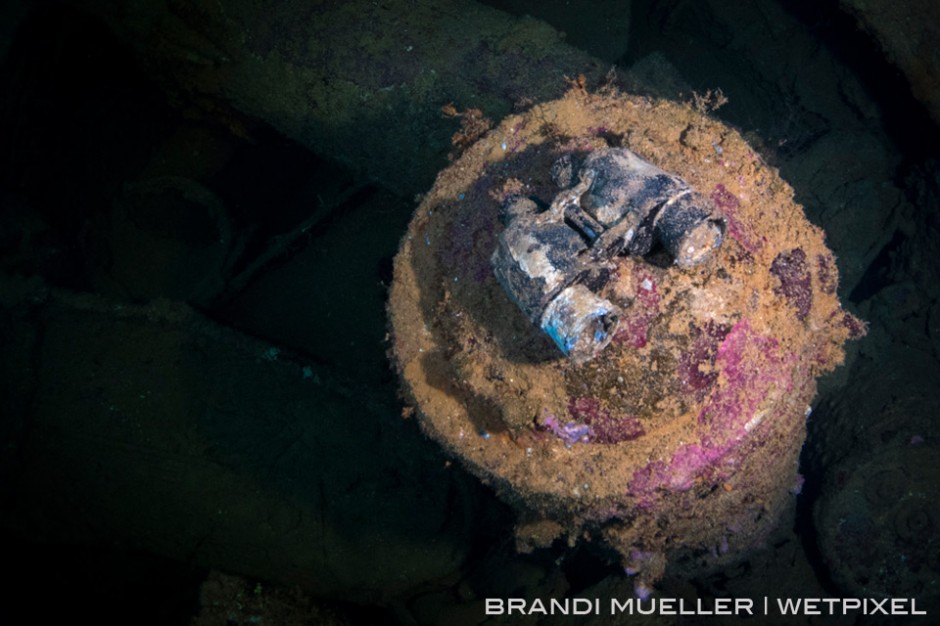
{"x":553,"y":262}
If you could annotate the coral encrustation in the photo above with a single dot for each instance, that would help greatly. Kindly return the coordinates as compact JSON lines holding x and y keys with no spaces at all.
{"x":752,"y":369}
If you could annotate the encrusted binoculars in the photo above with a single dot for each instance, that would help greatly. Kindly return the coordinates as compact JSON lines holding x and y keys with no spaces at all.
{"x":553,"y":262}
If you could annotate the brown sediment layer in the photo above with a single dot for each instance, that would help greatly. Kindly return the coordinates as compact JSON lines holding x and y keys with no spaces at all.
{"x":685,"y":432}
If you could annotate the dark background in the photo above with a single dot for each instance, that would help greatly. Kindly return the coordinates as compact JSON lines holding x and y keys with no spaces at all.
{"x":200,"y":423}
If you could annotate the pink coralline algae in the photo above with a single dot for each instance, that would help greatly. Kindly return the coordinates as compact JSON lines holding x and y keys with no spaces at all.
{"x":635,"y":324}
{"x":728,"y":204}
{"x":696,"y":372}
{"x":692,"y":461}
{"x":724,"y":199}
{"x":569,"y":432}
{"x":795,"y":282}
{"x":591,"y":424}
{"x":633,"y":330}
{"x":605,"y":428}
{"x":826,"y":274}
{"x":856,"y":327}
{"x":751,"y":366}
{"x":748,"y":378}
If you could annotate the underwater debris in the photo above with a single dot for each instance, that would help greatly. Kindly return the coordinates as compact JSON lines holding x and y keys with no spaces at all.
{"x":679,"y":412}
{"x":621,"y":205}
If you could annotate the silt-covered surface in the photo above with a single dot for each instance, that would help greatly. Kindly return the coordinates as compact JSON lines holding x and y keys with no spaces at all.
{"x":696,"y":410}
